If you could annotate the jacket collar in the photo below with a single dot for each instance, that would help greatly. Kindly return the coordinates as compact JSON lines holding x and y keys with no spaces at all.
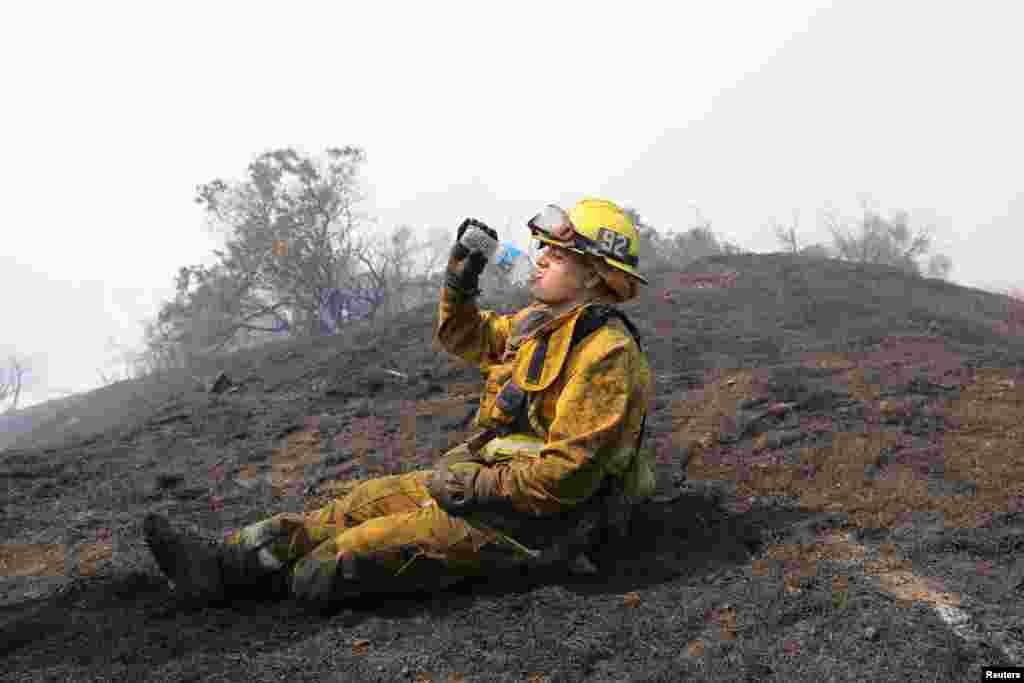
{"x":540,"y":318}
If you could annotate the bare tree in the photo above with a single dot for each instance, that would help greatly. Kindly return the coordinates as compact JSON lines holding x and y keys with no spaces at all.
{"x":12,"y":381}
{"x":880,"y":240}
{"x":162,"y":352}
{"x":423,"y":279}
{"x":387,"y":271}
{"x":677,"y":250}
{"x":699,"y":242}
{"x":786,"y":234}
{"x":393,"y":272}
{"x":133,"y":364}
{"x":435,"y":248}
{"x":939,"y":266}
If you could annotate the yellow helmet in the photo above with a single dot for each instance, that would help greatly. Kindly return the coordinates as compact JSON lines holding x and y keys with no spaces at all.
{"x":594,"y":226}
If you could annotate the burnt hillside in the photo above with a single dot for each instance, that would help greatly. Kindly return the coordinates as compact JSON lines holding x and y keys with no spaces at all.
{"x":872,"y":414}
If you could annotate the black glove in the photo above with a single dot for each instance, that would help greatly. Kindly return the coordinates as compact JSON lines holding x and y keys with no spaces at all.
{"x":465,"y":263}
{"x":474,"y":223}
{"x":462,"y":484}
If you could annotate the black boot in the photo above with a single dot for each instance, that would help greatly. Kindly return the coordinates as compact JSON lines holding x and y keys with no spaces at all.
{"x":207,"y":572}
{"x":191,"y":562}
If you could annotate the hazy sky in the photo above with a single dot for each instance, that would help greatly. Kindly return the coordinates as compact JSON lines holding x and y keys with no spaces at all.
{"x":114,"y":112}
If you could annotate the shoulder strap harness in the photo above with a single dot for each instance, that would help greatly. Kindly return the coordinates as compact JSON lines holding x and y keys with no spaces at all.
{"x":512,"y":397}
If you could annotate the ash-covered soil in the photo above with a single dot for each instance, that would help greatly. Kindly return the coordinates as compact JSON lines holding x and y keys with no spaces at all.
{"x":841,"y":497}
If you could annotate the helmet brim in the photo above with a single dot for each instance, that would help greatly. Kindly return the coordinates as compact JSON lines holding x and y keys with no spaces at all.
{"x":571,"y":246}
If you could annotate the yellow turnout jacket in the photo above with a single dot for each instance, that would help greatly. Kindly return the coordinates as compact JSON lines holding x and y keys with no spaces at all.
{"x":584,"y":408}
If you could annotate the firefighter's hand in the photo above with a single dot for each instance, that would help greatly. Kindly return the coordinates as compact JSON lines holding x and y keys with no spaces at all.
{"x":474,"y":224}
{"x":464,"y":488}
{"x":474,"y":247}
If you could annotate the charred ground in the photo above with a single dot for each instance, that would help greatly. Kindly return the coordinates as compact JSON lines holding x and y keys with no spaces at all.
{"x":853,"y":448}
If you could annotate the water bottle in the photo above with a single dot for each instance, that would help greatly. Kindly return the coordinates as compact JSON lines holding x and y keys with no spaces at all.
{"x":506,"y":254}
{"x":513,"y":261}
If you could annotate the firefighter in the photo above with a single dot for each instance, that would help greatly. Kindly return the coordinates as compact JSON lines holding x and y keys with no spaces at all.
{"x":555,"y":466}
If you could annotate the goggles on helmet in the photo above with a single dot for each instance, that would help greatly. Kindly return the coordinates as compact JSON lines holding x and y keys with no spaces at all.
{"x":553,"y":223}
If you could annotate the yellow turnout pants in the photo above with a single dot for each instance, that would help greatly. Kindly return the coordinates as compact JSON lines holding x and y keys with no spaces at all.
{"x":386,"y":535}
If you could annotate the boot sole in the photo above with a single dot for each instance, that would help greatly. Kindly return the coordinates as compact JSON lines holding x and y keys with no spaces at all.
{"x":187,"y":561}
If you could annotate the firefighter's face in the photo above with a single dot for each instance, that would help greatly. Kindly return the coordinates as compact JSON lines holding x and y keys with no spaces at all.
{"x":561,"y":276}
